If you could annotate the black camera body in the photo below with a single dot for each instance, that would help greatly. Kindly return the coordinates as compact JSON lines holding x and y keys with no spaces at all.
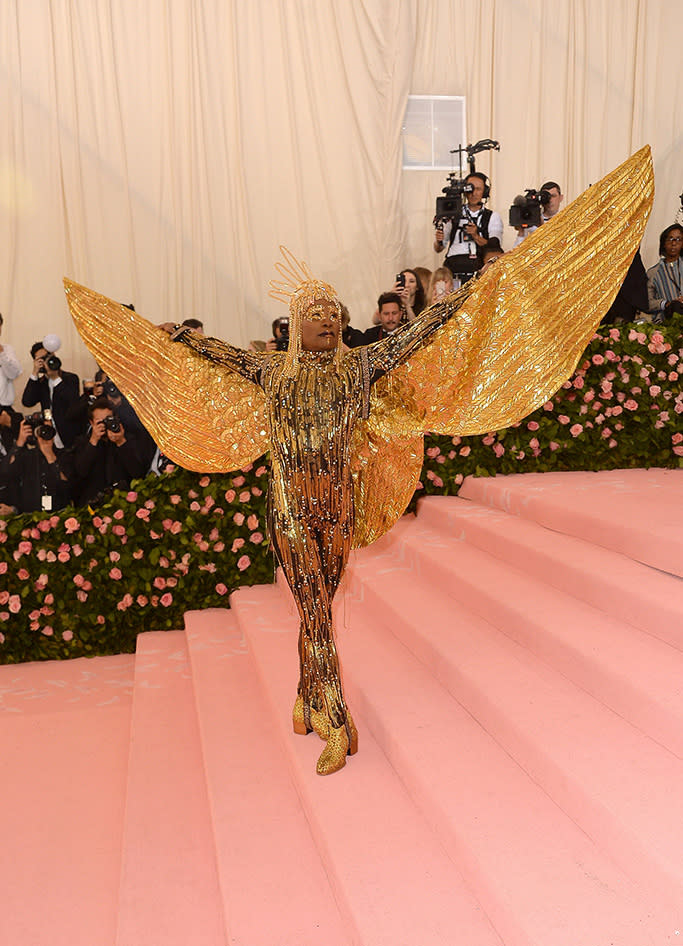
{"x":282,"y":341}
{"x":449,"y":207}
{"x":526,"y":210}
{"x":109,"y":389}
{"x":40,"y":423}
{"x":111,"y":422}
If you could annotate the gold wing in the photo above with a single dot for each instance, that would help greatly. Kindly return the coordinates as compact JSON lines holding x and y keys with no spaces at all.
{"x":202,"y":415}
{"x":521,"y":332}
{"x":509,"y":346}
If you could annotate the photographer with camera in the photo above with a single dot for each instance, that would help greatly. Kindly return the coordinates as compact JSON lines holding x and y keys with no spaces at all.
{"x":461,"y":234}
{"x":534,"y":208}
{"x":54,"y":390}
{"x":35,"y":472}
{"x":108,"y":456}
{"x":280,"y":339}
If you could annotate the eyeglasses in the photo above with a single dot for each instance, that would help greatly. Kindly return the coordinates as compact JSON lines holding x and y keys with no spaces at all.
{"x":674,"y":239}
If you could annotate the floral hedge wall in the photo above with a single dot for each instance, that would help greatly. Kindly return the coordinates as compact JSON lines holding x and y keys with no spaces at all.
{"x":85,"y":582}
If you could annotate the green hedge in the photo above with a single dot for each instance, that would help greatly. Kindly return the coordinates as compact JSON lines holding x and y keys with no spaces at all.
{"x":85,"y":582}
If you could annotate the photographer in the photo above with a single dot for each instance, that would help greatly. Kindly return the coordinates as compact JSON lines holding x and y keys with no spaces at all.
{"x":550,"y":198}
{"x":476,"y":224}
{"x":55,"y":390}
{"x":280,"y":339}
{"x":108,"y":456}
{"x":36,"y":473}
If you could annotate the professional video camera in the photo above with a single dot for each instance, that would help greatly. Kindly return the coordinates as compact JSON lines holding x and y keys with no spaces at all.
{"x":449,"y":207}
{"x":526,"y":208}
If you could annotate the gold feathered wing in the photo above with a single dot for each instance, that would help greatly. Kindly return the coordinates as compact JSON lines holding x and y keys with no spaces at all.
{"x":202,"y":415}
{"x":510,"y":345}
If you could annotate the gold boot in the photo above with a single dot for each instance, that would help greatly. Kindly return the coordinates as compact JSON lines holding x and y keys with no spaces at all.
{"x":333,"y":756}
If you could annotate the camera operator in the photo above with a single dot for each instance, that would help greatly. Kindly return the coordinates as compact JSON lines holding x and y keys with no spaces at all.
{"x":550,"y":196}
{"x":55,"y":390}
{"x":108,"y":455}
{"x":280,"y":339}
{"x":36,"y":472}
{"x":476,"y":225}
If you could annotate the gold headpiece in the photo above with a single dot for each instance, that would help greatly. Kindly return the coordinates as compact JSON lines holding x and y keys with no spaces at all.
{"x":299,"y":289}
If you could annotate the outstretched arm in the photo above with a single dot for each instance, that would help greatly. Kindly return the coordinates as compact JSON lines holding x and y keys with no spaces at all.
{"x":397,"y":348}
{"x":247,"y":364}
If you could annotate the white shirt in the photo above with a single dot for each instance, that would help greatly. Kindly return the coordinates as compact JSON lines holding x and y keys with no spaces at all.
{"x":9,"y":370}
{"x":462,"y":246}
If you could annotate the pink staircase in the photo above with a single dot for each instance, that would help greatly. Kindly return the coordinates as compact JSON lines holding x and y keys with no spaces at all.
{"x":512,"y":658}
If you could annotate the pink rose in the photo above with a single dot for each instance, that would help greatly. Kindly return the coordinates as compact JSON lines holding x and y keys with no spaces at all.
{"x":204,"y":481}
{"x":614,"y":334}
{"x":678,"y":450}
{"x":498,"y":449}
{"x":97,"y":522}
{"x":114,"y":556}
{"x":63,"y":557}
{"x":22,"y":574}
{"x":238,"y":518}
{"x":67,"y":635}
{"x":131,"y":496}
{"x":159,"y":583}
{"x":655,"y":390}
{"x":612,"y":444}
{"x":142,"y":514}
{"x":548,"y":406}
{"x":138,"y":553}
{"x":24,"y":548}
{"x":221,"y":588}
{"x":488,"y":440}
{"x":3,"y":568}
{"x":47,"y":631}
{"x":245,"y":496}
{"x":167,"y":599}
{"x":44,"y":525}
{"x":14,"y":604}
{"x":237,"y":544}
{"x":118,"y":530}
{"x":219,"y":547}
{"x":433,"y":452}
{"x":465,"y":451}
{"x":118,"y":514}
{"x":256,"y":538}
{"x":532,"y":425}
{"x":673,"y":376}
{"x":252,"y":522}
{"x":149,"y":504}
{"x":238,"y":481}
{"x":49,"y":598}
{"x":631,"y":405}
{"x":598,"y":360}
{"x":261,"y":470}
{"x":575,"y":430}
{"x":194,"y":506}
{"x":78,"y":581}
{"x":100,"y":619}
{"x":255,"y":491}
{"x":578,"y":381}
{"x":677,"y":438}
{"x":4,"y":597}
{"x":142,"y":600}
{"x":243,"y":563}
{"x":115,"y":573}
{"x":563,"y":419}
{"x":554,"y":446}
{"x":175,"y":499}
{"x":82,"y":595}
{"x":176,"y":527}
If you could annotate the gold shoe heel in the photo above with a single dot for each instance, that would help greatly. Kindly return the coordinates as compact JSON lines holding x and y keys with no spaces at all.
{"x":333,"y":756}
{"x":352,"y":734}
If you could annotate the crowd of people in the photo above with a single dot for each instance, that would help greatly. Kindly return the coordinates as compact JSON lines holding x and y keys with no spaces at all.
{"x":78,"y":442}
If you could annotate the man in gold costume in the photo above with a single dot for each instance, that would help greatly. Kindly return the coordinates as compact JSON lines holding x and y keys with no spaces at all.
{"x":345,"y":429}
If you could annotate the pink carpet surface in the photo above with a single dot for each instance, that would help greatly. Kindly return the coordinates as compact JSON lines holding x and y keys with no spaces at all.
{"x":513,"y":661}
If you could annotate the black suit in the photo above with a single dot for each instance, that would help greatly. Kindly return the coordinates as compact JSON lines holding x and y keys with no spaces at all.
{"x":64,"y":395}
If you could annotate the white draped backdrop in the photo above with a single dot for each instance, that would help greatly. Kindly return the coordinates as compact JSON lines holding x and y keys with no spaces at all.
{"x":160,"y":150}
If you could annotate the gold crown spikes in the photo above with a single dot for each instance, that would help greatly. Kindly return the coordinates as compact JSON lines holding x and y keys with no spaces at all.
{"x":293,"y":272}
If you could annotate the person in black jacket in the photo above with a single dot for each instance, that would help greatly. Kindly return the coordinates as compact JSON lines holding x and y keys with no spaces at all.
{"x":108,"y":456}
{"x":35,"y":474}
{"x":53,"y":389}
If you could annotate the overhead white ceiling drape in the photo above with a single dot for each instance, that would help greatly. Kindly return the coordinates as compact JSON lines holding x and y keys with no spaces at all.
{"x":161,"y":151}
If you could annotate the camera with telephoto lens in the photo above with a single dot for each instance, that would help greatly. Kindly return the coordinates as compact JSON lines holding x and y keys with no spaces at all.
{"x":40,"y":423}
{"x":111,"y":422}
{"x":109,"y":389}
{"x":526,"y":208}
{"x":282,"y":340}
{"x":449,"y":207}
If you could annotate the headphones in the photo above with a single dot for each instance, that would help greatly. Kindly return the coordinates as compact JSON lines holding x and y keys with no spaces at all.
{"x":484,"y":178}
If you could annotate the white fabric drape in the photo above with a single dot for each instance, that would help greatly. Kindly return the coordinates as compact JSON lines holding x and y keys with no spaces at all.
{"x":161,"y":151}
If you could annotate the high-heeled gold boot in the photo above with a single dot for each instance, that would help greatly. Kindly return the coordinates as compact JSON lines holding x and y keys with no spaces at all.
{"x":301,"y":727}
{"x":333,"y":756}
{"x":317,"y":720}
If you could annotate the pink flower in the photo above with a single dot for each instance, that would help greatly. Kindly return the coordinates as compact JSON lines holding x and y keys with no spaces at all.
{"x":194,"y":505}
{"x":82,"y":595}
{"x":149,"y":504}
{"x":229,"y":495}
{"x":616,"y":410}
{"x":237,"y":544}
{"x":97,"y":522}
{"x":142,"y":600}
{"x":78,"y":580}
{"x":47,"y":631}
{"x":49,"y":598}
{"x":4,"y":597}
{"x":221,"y":588}
{"x":155,"y":535}
{"x":563,"y":419}
{"x":176,"y":527}
{"x":22,"y":574}
{"x":100,"y":619}
{"x":655,"y":390}
{"x":131,"y":496}
{"x":612,"y":444}
{"x":24,"y":548}
{"x":219,"y":547}
{"x":14,"y":604}
{"x":114,"y":556}
{"x":167,"y":599}
{"x":175,"y":499}
{"x":245,"y":496}
{"x":256,"y":538}
{"x":3,"y":568}
{"x":115,"y":573}
{"x":159,"y":583}
{"x":433,"y":452}
{"x":238,"y":518}
{"x":631,"y":405}
{"x":498,"y":449}
{"x":677,"y":438}
{"x":143,"y":514}
{"x":243,"y":563}
{"x":465,"y":451}
{"x":575,"y":430}
{"x":255,"y":491}
{"x":44,"y":525}
{"x":209,"y":502}
{"x":673,"y":376}
{"x":261,"y":470}
{"x":532,"y":425}
{"x":138,"y":553}
{"x":238,"y":481}
{"x":488,"y":440}
{"x":678,"y":450}
{"x":548,"y":406}
{"x":252,"y":522}
{"x":118,"y":514}
{"x":598,"y":360}
{"x":578,"y":381}
{"x":63,"y":556}
{"x":118,"y":530}
{"x":664,"y":416}
{"x":614,"y":334}
{"x":554,"y":446}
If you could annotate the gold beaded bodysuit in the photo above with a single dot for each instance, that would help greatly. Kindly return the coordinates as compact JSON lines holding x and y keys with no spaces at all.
{"x":345,"y":431}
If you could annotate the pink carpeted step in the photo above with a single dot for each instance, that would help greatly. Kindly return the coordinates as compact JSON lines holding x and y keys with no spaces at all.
{"x":64,"y":734}
{"x":540,"y":877}
{"x":169,"y":883}
{"x":394,"y":883}
{"x":636,"y":512}
{"x":628,"y":590}
{"x":610,"y":778}
{"x":273,"y":884}
{"x":637,"y":675}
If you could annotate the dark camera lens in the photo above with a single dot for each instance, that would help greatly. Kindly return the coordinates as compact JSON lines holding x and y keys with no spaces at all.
{"x":53,"y":363}
{"x":112,"y":423}
{"x":110,"y":388}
